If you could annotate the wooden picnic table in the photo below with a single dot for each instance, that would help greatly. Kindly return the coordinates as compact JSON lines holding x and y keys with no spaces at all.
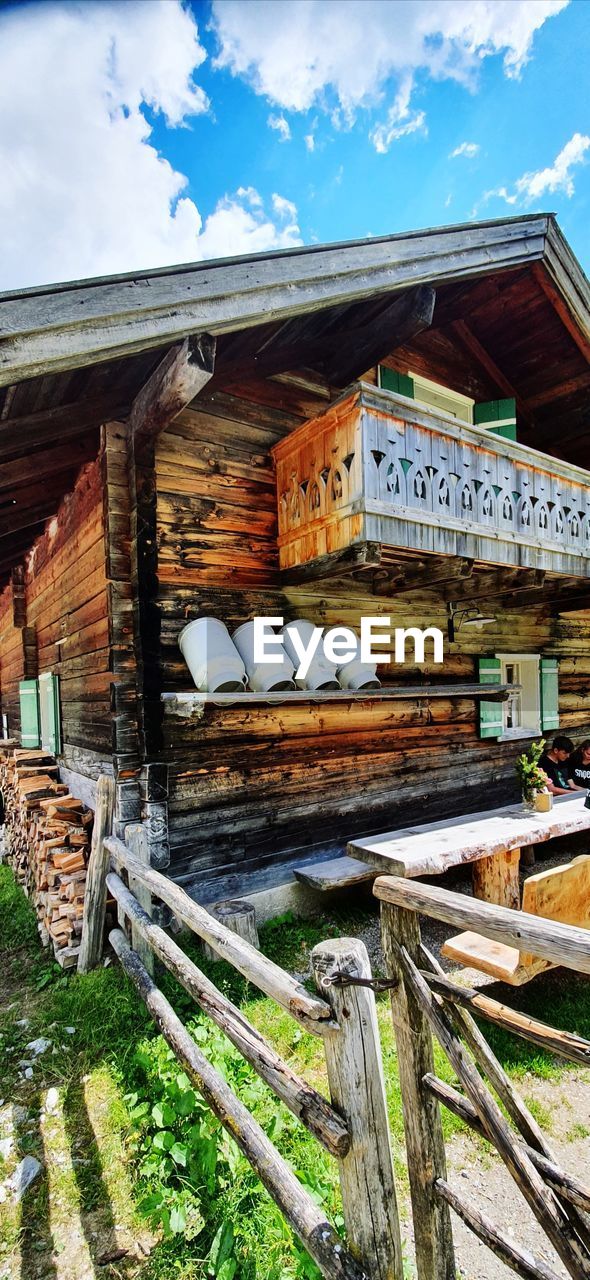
{"x":490,"y":840}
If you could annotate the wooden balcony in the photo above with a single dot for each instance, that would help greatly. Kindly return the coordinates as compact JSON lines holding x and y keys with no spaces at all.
{"x":379,"y":469}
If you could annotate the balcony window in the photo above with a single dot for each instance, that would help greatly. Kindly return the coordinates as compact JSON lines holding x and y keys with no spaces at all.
{"x":439,"y":397}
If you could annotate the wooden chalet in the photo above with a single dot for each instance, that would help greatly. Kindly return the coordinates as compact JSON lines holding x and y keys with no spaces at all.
{"x":394,"y":426}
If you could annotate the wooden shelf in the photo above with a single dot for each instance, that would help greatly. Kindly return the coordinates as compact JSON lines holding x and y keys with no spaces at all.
{"x":192,"y":697}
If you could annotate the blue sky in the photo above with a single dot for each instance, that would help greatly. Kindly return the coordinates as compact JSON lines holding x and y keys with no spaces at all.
{"x":140,"y":133}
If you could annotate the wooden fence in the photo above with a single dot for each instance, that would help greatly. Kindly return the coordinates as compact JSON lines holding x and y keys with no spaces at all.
{"x":352,"y":1126}
{"x":425,"y":1003}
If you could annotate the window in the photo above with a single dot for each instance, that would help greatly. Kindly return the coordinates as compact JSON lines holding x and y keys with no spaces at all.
{"x":40,"y":713}
{"x":530,"y":709}
{"x":522,"y":711}
{"x":451,"y":402}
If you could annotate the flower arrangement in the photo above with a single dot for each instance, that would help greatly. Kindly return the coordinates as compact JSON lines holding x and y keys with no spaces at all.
{"x":532,"y":779}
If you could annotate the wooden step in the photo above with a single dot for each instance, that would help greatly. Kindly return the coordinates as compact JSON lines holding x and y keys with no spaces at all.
{"x":335,"y":873}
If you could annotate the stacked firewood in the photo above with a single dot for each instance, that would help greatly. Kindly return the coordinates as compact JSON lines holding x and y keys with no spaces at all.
{"x":48,"y":833}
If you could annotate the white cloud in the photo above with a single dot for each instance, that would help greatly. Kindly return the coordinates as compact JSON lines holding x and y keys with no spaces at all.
{"x":556,"y":177}
{"x":238,"y":226}
{"x":312,"y":53}
{"x":468,"y":149}
{"x":310,"y":141}
{"x":84,"y":191}
{"x":281,"y":125}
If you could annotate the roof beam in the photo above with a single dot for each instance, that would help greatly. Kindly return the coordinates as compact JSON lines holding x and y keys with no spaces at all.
{"x":559,"y":390}
{"x":552,"y":293}
{"x":355,"y":352}
{"x":500,"y":582}
{"x":485,"y":361}
{"x":79,"y":324}
{"x":184,"y":371}
{"x":46,"y":462}
{"x":17,"y":435}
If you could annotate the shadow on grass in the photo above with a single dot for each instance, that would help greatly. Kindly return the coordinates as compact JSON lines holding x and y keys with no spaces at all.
{"x":36,"y":1240}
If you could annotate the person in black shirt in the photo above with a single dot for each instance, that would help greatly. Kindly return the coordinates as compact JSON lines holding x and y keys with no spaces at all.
{"x":579,"y":767}
{"x":554,"y":763}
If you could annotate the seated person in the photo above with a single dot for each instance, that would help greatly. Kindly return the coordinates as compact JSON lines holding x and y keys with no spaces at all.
{"x":579,"y":767}
{"x":554,"y":763}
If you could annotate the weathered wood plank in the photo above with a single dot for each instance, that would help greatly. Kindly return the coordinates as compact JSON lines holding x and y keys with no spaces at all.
{"x":184,"y":371}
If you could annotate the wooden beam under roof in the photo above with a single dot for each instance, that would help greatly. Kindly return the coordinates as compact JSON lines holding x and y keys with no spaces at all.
{"x":484,"y":359}
{"x":78,"y":324}
{"x":498,"y":582}
{"x":186,"y":368}
{"x":46,"y":462}
{"x":352,"y":353}
{"x":581,"y":339}
{"x":53,"y":426}
{"x":559,"y":390}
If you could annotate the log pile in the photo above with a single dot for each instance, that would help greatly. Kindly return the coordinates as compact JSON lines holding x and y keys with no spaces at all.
{"x":48,"y":833}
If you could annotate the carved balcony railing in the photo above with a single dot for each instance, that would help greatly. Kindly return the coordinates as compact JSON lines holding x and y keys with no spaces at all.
{"x":380,"y":468}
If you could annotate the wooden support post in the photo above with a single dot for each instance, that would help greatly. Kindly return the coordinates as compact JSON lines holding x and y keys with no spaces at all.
{"x":137,"y":839}
{"x":495,"y":879}
{"x":95,"y":898}
{"x":357,"y":1090}
{"x":435,"y":1259}
{"x":239,"y":916}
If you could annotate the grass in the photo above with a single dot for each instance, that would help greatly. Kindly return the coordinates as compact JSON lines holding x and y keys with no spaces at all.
{"x":132,"y":1154}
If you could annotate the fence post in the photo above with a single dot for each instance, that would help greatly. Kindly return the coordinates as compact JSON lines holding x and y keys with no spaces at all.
{"x":425,"y":1146}
{"x":357,"y":1090}
{"x":136,"y":839}
{"x":239,"y":916}
{"x":95,"y":897}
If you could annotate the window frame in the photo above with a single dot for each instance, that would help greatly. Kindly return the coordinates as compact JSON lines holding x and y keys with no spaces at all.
{"x":529,"y":696}
{"x":463,"y":405}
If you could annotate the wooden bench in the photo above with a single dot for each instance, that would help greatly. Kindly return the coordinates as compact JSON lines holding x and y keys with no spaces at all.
{"x":563,"y":894}
{"x":334,"y":873}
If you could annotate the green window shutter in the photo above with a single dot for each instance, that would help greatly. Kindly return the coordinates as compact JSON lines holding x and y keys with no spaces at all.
{"x":391,"y":380}
{"x":498,"y":416}
{"x":491,"y":719}
{"x":50,"y":716}
{"x":549,"y":676}
{"x":29,"y":713}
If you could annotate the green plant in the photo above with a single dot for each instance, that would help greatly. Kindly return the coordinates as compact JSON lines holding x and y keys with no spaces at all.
{"x":531,"y":777}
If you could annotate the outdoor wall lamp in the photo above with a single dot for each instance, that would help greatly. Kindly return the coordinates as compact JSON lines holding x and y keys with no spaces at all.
{"x":470,"y":616}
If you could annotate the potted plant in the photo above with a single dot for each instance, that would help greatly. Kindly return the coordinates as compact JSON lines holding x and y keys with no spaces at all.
{"x":533,"y":781}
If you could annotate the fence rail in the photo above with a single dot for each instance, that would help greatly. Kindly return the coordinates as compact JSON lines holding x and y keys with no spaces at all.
{"x":427,"y":1004}
{"x":352,"y":1126}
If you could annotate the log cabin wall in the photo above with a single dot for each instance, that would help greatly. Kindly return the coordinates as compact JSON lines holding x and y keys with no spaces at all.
{"x":249,"y":785}
{"x":66,"y":604}
{"x":17,"y":648}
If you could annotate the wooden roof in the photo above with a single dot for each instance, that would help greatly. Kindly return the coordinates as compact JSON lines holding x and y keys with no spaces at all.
{"x":512,"y":317}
